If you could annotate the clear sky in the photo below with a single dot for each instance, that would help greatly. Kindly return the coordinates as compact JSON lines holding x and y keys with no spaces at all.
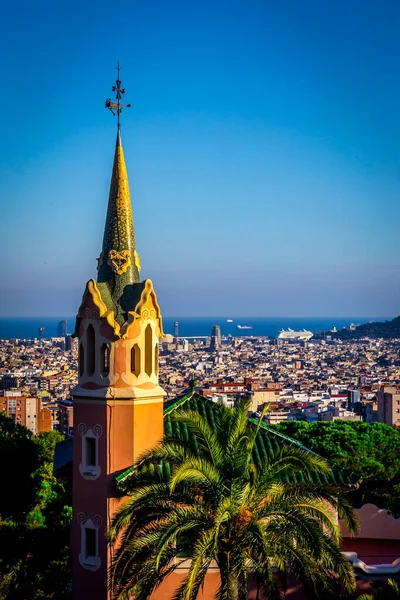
{"x":263,"y":151}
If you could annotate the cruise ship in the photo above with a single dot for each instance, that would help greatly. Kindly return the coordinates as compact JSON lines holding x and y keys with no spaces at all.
{"x":290,"y":334}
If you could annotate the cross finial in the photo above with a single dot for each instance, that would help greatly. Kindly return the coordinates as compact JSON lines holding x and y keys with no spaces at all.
{"x":116,"y":107}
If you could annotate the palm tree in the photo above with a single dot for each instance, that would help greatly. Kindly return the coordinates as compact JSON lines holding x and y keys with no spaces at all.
{"x":200,"y":494}
{"x":388,"y":591}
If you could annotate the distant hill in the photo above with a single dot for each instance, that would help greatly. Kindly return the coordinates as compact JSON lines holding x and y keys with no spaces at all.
{"x":386,"y":330}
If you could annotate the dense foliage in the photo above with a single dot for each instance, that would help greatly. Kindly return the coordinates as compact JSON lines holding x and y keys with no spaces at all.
{"x":386,"y":330}
{"x":34,"y":517}
{"x":369,"y":449}
{"x":389,"y":590}
{"x":215,"y":504}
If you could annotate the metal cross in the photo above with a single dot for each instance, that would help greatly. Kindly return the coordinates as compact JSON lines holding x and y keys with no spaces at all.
{"x":116,"y":107}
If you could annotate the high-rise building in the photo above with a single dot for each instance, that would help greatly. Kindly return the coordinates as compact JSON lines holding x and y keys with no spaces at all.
{"x":389,"y":405}
{"x":62,"y":328}
{"x":60,"y":342}
{"x":8,"y":382}
{"x":118,"y":403}
{"x":26,"y":411}
{"x":215,"y":337}
{"x":353,"y":398}
{"x":41,"y":333}
{"x":66,"y":417}
{"x":176,"y":332}
{"x":71,"y":343}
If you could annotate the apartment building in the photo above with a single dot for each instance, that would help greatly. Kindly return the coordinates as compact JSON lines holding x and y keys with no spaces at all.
{"x":389,"y":405}
{"x":27,"y":411}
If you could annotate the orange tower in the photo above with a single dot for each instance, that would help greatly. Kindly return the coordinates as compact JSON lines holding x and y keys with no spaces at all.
{"x":118,"y":404}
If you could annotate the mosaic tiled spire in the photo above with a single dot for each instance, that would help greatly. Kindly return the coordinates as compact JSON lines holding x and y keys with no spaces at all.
{"x":119,"y":263}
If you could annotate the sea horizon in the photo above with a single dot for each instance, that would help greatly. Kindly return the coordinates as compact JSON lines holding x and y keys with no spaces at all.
{"x":27,"y":327}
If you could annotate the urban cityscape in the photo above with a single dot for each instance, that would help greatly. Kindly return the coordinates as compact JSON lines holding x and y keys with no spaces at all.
{"x":199,"y":308}
{"x":311,"y":379}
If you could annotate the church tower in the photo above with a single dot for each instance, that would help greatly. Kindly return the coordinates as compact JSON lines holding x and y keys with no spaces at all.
{"x":118,"y":403}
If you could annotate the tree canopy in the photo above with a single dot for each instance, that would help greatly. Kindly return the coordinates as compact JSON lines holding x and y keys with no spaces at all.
{"x":35,"y":514}
{"x":369,"y":449}
{"x":386,"y":330}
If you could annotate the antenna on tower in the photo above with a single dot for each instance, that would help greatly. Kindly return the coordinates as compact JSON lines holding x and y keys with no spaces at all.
{"x":116,"y":107}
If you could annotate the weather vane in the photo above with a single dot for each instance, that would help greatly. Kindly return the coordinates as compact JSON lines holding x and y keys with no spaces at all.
{"x":116,"y":107}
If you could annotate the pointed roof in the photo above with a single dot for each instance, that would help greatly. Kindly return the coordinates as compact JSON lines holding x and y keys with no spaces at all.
{"x":119,"y":263}
{"x":268,"y":440}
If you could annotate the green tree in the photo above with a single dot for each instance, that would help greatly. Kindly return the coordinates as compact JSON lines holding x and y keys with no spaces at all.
{"x":35,"y":514}
{"x":199,"y":494}
{"x":370,"y":449}
{"x":383,"y":591}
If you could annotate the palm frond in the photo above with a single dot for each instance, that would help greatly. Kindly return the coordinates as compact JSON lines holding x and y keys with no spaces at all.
{"x":198,"y":471}
{"x":219,"y":504}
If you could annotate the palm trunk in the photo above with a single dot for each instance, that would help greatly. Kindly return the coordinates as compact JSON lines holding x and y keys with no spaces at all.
{"x":229,"y":580}
{"x":233,"y":588}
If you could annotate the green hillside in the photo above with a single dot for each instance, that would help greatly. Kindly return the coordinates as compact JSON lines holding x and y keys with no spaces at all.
{"x":385,"y":329}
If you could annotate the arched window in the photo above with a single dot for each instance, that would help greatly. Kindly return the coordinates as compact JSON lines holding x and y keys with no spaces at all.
{"x":135,"y":360}
{"x":105,"y":359}
{"x":148,"y":350}
{"x":81,"y":359}
{"x":90,"y":350}
{"x":156,"y":360}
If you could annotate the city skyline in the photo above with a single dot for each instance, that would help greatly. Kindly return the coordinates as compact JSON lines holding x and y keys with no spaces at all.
{"x":262,"y":147}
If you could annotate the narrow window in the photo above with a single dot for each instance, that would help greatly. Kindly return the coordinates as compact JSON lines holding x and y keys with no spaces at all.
{"x":135,"y":360}
{"x":156,"y":359}
{"x":91,"y":452}
{"x":148,"y":350}
{"x":81,"y":359}
{"x":90,"y":542}
{"x":90,"y":349}
{"x":105,"y":359}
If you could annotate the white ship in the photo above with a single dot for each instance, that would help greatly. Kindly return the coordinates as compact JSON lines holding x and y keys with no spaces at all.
{"x":244,"y":326}
{"x":229,"y":320}
{"x":290,"y":334}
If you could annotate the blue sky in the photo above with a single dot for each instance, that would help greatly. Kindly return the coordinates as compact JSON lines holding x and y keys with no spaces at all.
{"x":263,"y":151}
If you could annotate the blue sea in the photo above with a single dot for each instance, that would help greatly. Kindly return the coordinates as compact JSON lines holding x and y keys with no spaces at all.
{"x":192,"y":326}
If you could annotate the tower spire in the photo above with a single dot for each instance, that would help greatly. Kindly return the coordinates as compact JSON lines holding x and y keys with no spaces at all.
{"x":118,"y":403}
{"x":118,"y":264}
{"x":116,"y":107}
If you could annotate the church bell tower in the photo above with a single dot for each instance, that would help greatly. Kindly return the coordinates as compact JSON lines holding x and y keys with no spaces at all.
{"x":118,"y":403}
